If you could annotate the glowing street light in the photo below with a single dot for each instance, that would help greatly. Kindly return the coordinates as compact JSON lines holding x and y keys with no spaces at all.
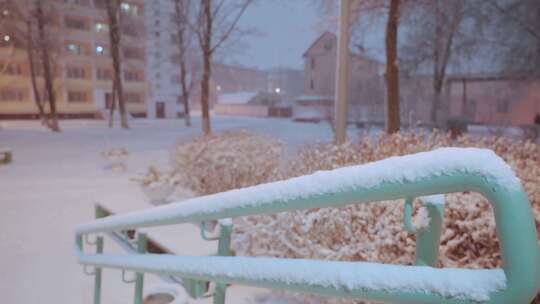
{"x":278,"y":90}
{"x":7,"y":38}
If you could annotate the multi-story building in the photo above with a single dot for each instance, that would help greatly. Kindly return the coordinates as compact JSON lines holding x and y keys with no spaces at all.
{"x":82,"y":63}
{"x":162,"y":66}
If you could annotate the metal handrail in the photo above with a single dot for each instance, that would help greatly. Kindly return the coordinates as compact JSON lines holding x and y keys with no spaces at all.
{"x":516,"y":229}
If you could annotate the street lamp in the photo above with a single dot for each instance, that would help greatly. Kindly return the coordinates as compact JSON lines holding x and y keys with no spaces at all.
{"x":278,"y":90}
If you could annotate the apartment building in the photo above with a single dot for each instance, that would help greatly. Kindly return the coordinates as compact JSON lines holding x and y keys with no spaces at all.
{"x":163,"y":70}
{"x":82,"y":64}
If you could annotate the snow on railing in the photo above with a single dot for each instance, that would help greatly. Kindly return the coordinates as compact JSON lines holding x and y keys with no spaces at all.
{"x":441,"y":171}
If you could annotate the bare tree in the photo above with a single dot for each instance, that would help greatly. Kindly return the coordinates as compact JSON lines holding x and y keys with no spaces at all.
{"x":517,"y":24}
{"x":44,"y":45}
{"x":113,"y":16}
{"x":216,"y":21}
{"x":442,"y":34}
{"x":31,"y":53}
{"x":27,"y":23}
{"x":16,"y":25}
{"x":184,"y":43}
{"x":392,"y":70}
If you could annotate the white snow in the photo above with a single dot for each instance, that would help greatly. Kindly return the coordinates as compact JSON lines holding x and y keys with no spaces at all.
{"x":422,"y":219}
{"x":468,"y":284}
{"x":437,"y":199}
{"x":178,"y":293}
{"x":409,"y":168}
{"x":55,"y":179}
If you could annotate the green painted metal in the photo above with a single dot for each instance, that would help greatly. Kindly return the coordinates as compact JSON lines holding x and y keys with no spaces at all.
{"x":428,"y":240}
{"x":97,"y":275}
{"x":139,"y":281}
{"x":515,"y":228}
{"x":224,"y":249}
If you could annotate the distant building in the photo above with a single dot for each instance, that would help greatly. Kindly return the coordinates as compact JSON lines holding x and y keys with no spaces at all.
{"x":164,"y":94}
{"x":285,"y":81}
{"x":481,"y":99}
{"x":257,"y":104}
{"x":84,"y":71}
{"x":494,"y":99}
{"x":366,"y":91}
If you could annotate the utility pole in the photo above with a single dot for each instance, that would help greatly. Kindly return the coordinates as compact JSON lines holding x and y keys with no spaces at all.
{"x":342,"y":74}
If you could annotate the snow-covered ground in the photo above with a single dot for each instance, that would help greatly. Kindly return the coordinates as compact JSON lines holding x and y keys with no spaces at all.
{"x":55,"y":180}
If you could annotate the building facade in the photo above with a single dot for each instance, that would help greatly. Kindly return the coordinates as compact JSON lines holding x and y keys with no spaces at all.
{"x":494,"y":99}
{"x":366,"y":85}
{"x":82,"y":64}
{"x":163,"y":69}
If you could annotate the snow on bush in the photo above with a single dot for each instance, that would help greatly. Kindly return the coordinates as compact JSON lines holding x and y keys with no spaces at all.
{"x":116,"y":159}
{"x":374,"y":232}
{"x":362,"y":232}
{"x":227,"y":161}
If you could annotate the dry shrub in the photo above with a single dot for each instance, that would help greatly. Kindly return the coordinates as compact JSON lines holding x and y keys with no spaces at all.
{"x":374,"y":232}
{"x":225,"y":161}
{"x":362,"y":232}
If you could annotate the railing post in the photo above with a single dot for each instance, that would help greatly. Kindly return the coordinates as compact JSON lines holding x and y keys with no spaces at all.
{"x":429,"y":239}
{"x":97,"y":275}
{"x":224,"y":249}
{"x":139,"y":281}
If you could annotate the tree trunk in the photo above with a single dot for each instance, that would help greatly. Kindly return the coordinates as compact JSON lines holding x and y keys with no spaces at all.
{"x":185,"y":97}
{"x":392,"y":70}
{"x":47,"y":69}
{"x":31,"y":60}
{"x":436,"y":106}
{"x":113,"y":105}
{"x":205,"y":93}
{"x":181,"y":24}
{"x":207,"y":69}
{"x":114,"y":37}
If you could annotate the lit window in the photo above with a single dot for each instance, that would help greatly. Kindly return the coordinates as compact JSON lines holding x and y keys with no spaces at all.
{"x":102,"y":27}
{"x":5,"y":12}
{"x":130,"y":9}
{"x":100,"y":50}
{"x":7,"y":38}
{"x":74,"y":48}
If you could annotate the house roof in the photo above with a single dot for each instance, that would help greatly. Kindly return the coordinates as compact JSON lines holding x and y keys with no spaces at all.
{"x":323,"y":35}
{"x":328,"y":34}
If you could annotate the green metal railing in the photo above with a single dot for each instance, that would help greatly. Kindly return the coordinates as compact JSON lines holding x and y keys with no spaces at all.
{"x":515,"y":228}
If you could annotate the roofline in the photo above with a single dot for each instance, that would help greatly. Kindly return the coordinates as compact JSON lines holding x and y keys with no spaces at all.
{"x":317,"y":40}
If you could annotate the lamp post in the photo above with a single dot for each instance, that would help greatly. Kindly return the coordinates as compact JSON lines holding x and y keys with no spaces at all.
{"x":342,"y":74}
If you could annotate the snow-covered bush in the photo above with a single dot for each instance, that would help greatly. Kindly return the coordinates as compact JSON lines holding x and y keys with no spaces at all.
{"x":362,"y":232}
{"x":227,"y":161}
{"x":374,"y":232}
